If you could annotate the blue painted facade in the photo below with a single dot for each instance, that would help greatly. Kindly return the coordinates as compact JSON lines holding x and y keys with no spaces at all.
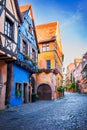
{"x":20,"y":75}
{"x":23,"y":68}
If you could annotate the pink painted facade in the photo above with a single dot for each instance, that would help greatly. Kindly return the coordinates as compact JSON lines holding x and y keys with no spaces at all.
{"x":84,"y":73}
{"x":70,"y":69}
{"x":48,"y":79}
{"x":3,"y":78}
{"x":9,"y":20}
{"x":77,"y":72}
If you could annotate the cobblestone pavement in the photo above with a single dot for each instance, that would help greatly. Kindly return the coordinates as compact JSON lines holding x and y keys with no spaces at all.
{"x":67,"y":113}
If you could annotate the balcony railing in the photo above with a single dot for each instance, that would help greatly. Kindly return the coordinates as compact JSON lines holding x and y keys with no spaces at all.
{"x":26,"y":63}
{"x":7,"y":45}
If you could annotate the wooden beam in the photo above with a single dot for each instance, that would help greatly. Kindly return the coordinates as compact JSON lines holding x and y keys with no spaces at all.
{"x":11,"y":14}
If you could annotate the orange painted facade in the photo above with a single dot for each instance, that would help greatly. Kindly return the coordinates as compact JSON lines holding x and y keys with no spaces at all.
{"x":50,"y":46}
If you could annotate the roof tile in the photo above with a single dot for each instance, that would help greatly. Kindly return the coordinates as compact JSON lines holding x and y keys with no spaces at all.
{"x":46,"y":31}
{"x":24,"y":8}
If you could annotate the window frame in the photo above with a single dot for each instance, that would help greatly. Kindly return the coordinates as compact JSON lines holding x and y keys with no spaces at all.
{"x":9,"y":28}
{"x":18,"y":87}
{"x":45,"y":47}
{"x":30,"y":29}
{"x":48,"y":64}
{"x":33,"y":55}
{"x":24,"y":47}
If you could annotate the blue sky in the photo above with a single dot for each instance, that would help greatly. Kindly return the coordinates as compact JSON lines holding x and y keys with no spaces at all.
{"x":72,"y":16}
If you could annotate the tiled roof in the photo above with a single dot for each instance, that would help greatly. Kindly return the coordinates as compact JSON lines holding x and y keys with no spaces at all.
{"x":24,"y":8}
{"x":71,"y":66}
{"x":46,"y":32}
{"x":78,"y":60}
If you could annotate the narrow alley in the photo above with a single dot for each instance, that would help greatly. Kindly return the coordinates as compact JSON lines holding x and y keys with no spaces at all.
{"x":67,"y":113}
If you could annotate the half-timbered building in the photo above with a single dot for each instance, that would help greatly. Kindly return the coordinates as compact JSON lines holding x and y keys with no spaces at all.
{"x":9,"y":21}
{"x":26,"y":63}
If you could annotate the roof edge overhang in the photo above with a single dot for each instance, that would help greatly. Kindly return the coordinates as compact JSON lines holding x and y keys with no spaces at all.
{"x":18,"y":10}
{"x":49,"y":40}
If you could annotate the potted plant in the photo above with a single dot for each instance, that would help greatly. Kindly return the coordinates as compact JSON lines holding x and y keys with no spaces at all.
{"x":26,"y":57}
{"x":37,"y":96}
{"x":55,"y":71}
{"x":19,"y":93}
{"x":35,"y":63}
{"x":60,"y":90}
{"x":47,"y":71}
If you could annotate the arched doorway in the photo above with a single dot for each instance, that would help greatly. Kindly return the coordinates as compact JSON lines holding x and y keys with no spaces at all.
{"x":44,"y":92}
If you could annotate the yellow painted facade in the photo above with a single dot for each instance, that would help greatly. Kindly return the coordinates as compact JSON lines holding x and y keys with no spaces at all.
{"x":54,"y":54}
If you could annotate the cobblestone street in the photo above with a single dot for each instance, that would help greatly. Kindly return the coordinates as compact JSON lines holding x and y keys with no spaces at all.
{"x":68,"y":113}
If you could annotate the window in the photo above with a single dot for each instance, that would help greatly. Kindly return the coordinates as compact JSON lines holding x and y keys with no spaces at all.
{"x":33,"y":55}
{"x":48,"y":64}
{"x":25,"y":47}
{"x":45,"y":47}
{"x":30,"y":29}
{"x":9,"y":30}
{"x":18,"y":91}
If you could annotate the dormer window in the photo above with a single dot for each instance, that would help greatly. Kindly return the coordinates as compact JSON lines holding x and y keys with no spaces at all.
{"x":9,"y":28}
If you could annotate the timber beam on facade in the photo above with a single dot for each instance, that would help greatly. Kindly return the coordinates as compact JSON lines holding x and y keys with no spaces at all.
{"x":7,"y":11}
{"x":2,"y":4}
{"x":6,"y":54}
{"x":85,"y":80}
{"x":3,"y":7}
{"x":7,"y":49}
{"x":6,"y":58}
{"x":85,"y":67}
